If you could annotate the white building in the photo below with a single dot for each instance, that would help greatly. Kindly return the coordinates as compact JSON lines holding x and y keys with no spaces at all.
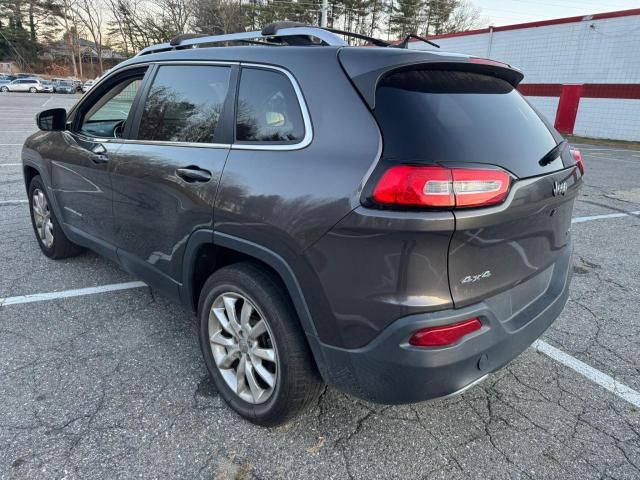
{"x":583,"y":73}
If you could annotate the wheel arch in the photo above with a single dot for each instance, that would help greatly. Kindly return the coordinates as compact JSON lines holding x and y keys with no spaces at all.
{"x":29,"y":172}
{"x":207,"y":251}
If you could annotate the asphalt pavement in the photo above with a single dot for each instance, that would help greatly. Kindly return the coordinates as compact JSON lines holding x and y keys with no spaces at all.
{"x":111,"y":384}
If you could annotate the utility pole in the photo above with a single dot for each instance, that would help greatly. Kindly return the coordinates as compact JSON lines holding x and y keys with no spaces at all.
{"x":323,"y":13}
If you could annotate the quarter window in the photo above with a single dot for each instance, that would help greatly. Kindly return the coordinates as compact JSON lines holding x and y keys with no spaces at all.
{"x":115,"y":104}
{"x":267,"y":110}
{"x":107,"y":115}
{"x":184,"y":104}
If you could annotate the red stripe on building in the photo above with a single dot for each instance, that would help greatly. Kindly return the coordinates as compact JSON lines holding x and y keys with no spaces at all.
{"x":541,"y":23}
{"x":589,"y":90}
{"x":570,"y":96}
{"x":540,"y":89}
{"x":611,"y":90}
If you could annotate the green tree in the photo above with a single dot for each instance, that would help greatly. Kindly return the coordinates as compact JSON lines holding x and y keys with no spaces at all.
{"x":406,"y":16}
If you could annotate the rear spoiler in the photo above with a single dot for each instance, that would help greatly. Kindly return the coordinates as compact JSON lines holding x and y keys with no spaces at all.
{"x":366,"y":66}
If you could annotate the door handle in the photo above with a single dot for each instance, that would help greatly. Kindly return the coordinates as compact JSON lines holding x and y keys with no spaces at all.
{"x":99,"y":154}
{"x":100,"y":158}
{"x":193,"y":174}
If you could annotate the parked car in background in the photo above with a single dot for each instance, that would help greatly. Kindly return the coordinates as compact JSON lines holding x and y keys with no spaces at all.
{"x":87,"y":85}
{"x":4,"y":82}
{"x":77,"y":84}
{"x":33,"y":85}
{"x":64,"y":86}
{"x":47,"y":86}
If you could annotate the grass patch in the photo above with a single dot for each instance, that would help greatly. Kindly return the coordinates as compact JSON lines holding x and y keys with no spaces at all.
{"x":604,"y":141}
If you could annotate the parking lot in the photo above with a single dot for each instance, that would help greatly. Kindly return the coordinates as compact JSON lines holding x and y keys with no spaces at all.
{"x":108,"y":382}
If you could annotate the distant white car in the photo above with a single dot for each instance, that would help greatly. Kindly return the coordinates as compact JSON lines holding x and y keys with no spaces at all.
{"x":33,"y":85}
{"x":87,"y":85}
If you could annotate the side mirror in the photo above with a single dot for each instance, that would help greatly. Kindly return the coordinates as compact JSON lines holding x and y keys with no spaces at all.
{"x":54,"y":119}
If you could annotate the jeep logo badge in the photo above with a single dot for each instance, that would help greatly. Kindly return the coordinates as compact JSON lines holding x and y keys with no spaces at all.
{"x":559,"y":188}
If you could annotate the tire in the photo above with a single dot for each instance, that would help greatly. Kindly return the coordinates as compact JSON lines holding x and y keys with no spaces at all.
{"x":33,"y":90}
{"x":4,"y":89}
{"x":60,"y":246}
{"x":297,"y":383}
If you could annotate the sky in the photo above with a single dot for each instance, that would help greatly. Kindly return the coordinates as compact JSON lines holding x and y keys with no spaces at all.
{"x":507,"y":12}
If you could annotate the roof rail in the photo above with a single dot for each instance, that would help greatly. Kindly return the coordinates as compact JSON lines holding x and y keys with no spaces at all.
{"x":290,"y":33}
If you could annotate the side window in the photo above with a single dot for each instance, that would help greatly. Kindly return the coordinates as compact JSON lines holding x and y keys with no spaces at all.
{"x":106,"y":117}
{"x":184,"y":103}
{"x":267,"y":109}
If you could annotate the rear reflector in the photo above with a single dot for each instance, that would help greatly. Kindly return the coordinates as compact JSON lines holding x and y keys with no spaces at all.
{"x":578,"y":158}
{"x":445,"y":334}
{"x":440,"y":187}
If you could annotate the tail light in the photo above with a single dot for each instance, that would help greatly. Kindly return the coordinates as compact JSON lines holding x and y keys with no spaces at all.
{"x":438,"y":187}
{"x":578,"y":158}
{"x":445,"y":334}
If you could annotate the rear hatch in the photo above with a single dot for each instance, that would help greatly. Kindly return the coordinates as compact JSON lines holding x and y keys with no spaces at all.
{"x":463,"y":113}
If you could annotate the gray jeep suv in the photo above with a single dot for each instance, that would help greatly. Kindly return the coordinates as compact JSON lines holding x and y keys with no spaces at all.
{"x":393,"y":222}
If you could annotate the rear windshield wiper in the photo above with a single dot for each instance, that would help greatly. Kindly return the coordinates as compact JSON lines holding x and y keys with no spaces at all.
{"x":553,"y":153}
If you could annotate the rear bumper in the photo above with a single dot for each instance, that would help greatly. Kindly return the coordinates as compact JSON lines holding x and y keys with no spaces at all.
{"x":389,"y":370}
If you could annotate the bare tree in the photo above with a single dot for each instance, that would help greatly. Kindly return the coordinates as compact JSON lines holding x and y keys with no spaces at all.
{"x":178,"y":13}
{"x":465,"y":16}
{"x":91,"y":15}
{"x":63,"y":12}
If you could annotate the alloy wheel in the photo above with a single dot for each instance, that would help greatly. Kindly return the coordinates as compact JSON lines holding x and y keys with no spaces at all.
{"x":242,"y":346}
{"x":42,"y":217}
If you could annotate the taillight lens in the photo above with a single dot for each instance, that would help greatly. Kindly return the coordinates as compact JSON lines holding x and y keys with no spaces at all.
{"x":445,"y":334}
{"x":578,"y":158}
{"x":441,"y":187}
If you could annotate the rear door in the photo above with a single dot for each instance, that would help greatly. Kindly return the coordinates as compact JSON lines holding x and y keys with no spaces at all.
{"x":20,"y":86}
{"x":469,"y":120}
{"x":167,"y":173}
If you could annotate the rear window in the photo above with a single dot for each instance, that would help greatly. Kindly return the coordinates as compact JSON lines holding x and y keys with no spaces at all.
{"x":450,"y":116}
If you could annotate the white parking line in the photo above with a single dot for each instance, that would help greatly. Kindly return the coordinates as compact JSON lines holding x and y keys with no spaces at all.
{"x":11,"y":144}
{"x":48,"y":100}
{"x":40,"y":297}
{"x":9,"y":164}
{"x":596,"y":376}
{"x":603,"y":149}
{"x":601,"y":217}
{"x":13,"y":202}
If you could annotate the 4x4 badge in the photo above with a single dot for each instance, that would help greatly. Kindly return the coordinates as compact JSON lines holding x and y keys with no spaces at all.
{"x":475,"y":278}
{"x":559,"y":188}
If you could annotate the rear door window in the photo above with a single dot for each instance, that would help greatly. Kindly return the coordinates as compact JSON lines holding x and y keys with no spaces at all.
{"x":436,"y":116}
{"x":184,"y":103}
{"x":267,"y":110}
